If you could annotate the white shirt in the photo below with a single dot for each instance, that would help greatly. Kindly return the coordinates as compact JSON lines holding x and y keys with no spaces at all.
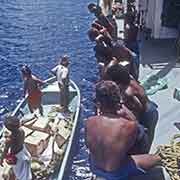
{"x":62,"y":73}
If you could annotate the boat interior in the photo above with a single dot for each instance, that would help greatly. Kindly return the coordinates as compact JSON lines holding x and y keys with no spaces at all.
{"x":46,"y":137}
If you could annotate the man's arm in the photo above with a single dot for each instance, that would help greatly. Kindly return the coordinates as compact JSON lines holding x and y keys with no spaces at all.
{"x":5,"y":151}
{"x":53,"y":71}
{"x":133,"y":98}
{"x":126,"y":113}
{"x":106,"y":23}
{"x":39,"y":81}
{"x":25,"y":88}
{"x":96,"y":25}
{"x":141,"y":95}
{"x":64,"y":76}
{"x":105,"y":33}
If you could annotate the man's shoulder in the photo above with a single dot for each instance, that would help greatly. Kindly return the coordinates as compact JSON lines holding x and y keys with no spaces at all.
{"x":128,"y":126}
{"x":21,"y":131}
{"x":59,"y":66}
{"x":136,"y":86}
{"x":92,"y":119}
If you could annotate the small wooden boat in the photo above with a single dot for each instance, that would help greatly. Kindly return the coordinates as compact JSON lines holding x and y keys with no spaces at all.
{"x":49,"y":139}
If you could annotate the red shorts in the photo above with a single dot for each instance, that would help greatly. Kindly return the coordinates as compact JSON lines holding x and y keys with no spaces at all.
{"x":34,"y":99}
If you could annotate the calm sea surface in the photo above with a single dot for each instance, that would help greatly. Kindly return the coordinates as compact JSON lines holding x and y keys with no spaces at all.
{"x":37,"y":32}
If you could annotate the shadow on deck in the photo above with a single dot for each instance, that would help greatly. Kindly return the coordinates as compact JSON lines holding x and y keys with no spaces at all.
{"x":156,"y":51}
{"x":159,"y":55}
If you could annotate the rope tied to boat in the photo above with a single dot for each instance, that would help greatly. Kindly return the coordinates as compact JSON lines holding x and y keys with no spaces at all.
{"x":170,"y":155}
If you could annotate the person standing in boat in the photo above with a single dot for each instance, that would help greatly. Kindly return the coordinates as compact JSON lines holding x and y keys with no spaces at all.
{"x":62,"y":73}
{"x":114,"y":134}
{"x":15,"y":152}
{"x":32,"y":88}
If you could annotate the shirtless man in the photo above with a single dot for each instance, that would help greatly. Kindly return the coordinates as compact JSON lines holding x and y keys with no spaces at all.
{"x":106,"y":48}
{"x":135,"y":98}
{"x":102,"y":19}
{"x":131,"y":34}
{"x":110,"y":136}
{"x":31,"y":87}
{"x":16,"y":151}
{"x":103,"y":49}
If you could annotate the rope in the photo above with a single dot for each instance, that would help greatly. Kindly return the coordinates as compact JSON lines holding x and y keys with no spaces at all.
{"x":170,"y":155}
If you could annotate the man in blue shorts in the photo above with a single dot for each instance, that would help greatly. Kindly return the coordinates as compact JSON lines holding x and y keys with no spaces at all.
{"x":111,"y":135}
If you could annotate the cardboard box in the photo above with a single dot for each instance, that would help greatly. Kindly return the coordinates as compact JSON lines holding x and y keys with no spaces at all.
{"x":37,"y":142}
{"x":42,"y":124}
{"x":27,"y":131}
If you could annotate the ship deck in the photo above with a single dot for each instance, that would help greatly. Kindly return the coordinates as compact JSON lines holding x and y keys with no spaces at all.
{"x":158,"y":57}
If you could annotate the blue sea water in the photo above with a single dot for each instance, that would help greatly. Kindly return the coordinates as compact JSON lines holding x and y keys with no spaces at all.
{"x":38,"y":32}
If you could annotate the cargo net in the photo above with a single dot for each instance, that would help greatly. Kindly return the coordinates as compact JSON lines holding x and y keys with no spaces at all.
{"x":170,"y":155}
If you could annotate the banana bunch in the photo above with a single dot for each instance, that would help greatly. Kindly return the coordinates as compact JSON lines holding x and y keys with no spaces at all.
{"x":56,"y":109}
{"x":1,"y":148}
{"x":69,"y":125}
{"x":170,"y":155}
{"x":41,"y":172}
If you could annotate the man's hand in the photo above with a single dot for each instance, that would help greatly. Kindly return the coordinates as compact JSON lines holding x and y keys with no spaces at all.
{"x":61,"y":86}
{"x":99,"y":38}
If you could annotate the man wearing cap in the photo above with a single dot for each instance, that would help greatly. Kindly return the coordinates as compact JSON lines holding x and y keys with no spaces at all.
{"x":102,"y":20}
{"x":62,"y":73}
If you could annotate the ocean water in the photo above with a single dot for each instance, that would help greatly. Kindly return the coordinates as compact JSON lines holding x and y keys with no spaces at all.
{"x":38,"y":32}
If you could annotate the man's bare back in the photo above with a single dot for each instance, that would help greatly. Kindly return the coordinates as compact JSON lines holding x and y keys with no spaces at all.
{"x":136,"y":99}
{"x":109,"y":138}
{"x":111,"y":135}
{"x":32,"y":84}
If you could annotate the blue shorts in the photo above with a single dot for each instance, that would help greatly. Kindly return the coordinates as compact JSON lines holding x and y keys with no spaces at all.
{"x":150,"y":117}
{"x":149,"y":120}
{"x":123,"y":173}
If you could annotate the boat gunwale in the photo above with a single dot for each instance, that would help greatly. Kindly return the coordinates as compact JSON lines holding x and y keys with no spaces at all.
{"x":68,"y":148}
